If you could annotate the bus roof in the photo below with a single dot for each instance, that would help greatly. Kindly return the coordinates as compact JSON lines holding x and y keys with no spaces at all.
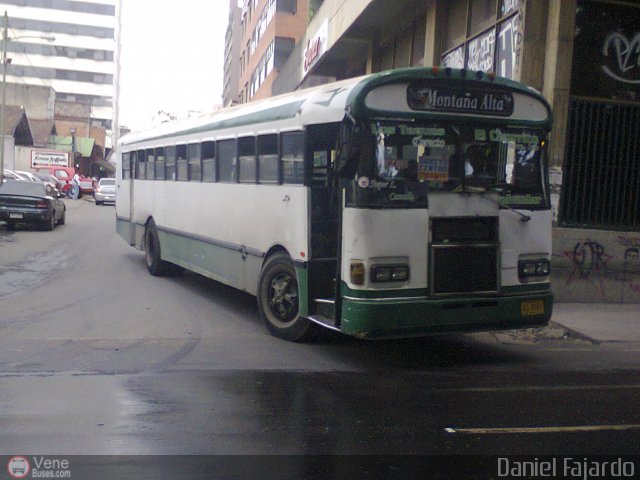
{"x":360,"y":97}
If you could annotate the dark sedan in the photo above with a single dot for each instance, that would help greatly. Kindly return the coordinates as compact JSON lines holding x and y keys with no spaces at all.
{"x":31,"y":203}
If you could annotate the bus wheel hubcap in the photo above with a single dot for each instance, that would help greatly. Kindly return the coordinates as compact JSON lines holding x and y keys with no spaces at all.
{"x":283,"y":297}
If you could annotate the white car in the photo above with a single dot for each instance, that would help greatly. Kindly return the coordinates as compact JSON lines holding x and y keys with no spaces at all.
{"x":27,"y":175}
{"x":105,"y":191}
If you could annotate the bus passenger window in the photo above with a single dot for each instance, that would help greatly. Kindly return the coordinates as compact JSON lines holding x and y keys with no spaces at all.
{"x":170,"y":163}
{"x":141,"y":171}
{"x":151,"y":164}
{"x":247,"y":158}
{"x":208,"y":161}
{"x":160,"y":163}
{"x":195,"y":172}
{"x":227,"y":160}
{"x":182,"y":165}
{"x":268,"y":159}
{"x":293,"y":157}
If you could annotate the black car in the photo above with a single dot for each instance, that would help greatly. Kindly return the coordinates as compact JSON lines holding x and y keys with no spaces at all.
{"x":31,"y":203}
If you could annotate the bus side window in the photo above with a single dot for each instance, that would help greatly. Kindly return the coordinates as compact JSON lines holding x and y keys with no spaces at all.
{"x":160,"y":163}
{"x":195,"y":168}
{"x":151,"y":164}
{"x":268,"y":159}
{"x":141,"y":170}
{"x":208,"y":161}
{"x":170,"y":163}
{"x":227,"y":160}
{"x":293,"y":157}
{"x":182,"y":165}
{"x":247,"y":159}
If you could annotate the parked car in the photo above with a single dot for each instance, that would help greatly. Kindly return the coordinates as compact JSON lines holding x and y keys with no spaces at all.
{"x":27,"y":176}
{"x":24,"y":202}
{"x":65,"y":175}
{"x":50,"y":179}
{"x":105,"y":191}
{"x":10,"y":175}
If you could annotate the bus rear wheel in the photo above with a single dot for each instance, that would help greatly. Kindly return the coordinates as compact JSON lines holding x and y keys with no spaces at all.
{"x":278,"y":300}
{"x":156,"y":266}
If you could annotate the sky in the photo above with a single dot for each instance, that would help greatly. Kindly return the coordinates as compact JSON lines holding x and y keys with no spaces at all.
{"x":172,"y":58}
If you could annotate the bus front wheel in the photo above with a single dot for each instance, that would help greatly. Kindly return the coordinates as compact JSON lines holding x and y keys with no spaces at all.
{"x":278,"y":300}
{"x":156,"y":266}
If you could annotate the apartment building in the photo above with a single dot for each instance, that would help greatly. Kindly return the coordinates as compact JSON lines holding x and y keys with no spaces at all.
{"x":78,"y":64}
{"x":269,"y":30}
{"x":232,"y":42}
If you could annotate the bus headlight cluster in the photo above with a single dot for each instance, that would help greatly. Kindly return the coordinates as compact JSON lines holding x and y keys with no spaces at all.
{"x":534,"y":268}
{"x":389,"y":273}
{"x":378,"y":273}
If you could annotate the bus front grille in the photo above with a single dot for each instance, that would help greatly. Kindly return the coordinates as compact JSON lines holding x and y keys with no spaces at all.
{"x":464,"y":269}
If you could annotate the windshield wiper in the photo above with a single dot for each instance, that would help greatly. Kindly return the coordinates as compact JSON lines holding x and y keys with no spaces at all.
{"x":523,"y":217}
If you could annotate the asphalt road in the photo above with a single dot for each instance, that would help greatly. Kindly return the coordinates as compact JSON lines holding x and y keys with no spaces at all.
{"x":99,"y":358}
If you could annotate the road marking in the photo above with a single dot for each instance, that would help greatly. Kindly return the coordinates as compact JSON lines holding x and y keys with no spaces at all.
{"x":531,"y":388}
{"x":577,"y":428}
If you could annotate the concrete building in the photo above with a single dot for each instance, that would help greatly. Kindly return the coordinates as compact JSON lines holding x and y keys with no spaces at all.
{"x":270,"y":30}
{"x":232,"y":43}
{"x":79,"y":64}
{"x":582,"y":55}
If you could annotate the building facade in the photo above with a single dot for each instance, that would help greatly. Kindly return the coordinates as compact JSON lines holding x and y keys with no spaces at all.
{"x":78,"y":64}
{"x":232,"y":42}
{"x":270,"y":29}
{"x":583,"y":55}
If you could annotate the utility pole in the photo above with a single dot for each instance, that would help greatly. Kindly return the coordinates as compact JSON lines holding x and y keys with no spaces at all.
{"x":5,"y":38}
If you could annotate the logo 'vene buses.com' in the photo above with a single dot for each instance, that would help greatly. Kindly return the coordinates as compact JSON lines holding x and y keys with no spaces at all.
{"x":18,"y":467}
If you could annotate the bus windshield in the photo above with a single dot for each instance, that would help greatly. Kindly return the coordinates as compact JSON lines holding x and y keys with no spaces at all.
{"x":458,"y":158}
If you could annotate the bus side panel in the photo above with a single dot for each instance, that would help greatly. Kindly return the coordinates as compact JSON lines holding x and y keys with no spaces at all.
{"x":142,"y":209}
{"x":223,"y":231}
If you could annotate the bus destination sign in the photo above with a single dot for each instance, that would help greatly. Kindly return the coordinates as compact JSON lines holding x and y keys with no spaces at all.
{"x":460,"y":100}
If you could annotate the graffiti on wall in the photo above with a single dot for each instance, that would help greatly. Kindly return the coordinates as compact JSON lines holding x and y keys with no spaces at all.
{"x":591,"y":263}
{"x":626,"y":55}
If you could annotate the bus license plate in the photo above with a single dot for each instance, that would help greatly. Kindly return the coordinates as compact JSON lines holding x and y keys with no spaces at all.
{"x":530,"y":308}
{"x":15,"y":215}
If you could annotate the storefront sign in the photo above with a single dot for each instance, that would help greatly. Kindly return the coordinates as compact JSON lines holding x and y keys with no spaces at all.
{"x":49,"y":158}
{"x":316,"y":47}
{"x":460,"y":101}
{"x":606,"y":60}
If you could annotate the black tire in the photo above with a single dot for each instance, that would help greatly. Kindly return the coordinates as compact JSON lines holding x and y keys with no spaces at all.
{"x":63,"y":219}
{"x":278,"y":301}
{"x":98,"y":203}
{"x":51,"y":223}
{"x":156,"y":266}
{"x":10,"y":226}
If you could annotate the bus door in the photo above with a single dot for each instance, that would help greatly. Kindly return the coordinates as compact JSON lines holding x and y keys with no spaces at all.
{"x":124,"y":196}
{"x":324,"y":225}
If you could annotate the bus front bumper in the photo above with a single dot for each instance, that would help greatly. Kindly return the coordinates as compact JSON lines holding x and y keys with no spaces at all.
{"x":397,"y":318}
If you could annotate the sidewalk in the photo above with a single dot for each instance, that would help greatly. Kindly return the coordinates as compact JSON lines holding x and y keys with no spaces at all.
{"x":604,"y":322}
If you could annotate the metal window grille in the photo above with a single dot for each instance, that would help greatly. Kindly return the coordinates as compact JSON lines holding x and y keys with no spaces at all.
{"x":601,"y":187}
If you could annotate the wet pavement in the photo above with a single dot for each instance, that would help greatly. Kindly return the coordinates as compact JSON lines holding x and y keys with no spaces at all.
{"x":99,"y":358}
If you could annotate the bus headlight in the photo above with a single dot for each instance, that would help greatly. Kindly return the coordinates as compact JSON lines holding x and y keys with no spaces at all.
{"x":534,"y":268}
{"x":389,"y":273}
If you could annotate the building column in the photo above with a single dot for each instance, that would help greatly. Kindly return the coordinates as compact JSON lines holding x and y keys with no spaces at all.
{"x":557,"y":72}
{"x":433,"y":32}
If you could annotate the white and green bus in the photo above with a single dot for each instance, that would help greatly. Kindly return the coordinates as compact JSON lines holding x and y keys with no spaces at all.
{"x":404,"y":203}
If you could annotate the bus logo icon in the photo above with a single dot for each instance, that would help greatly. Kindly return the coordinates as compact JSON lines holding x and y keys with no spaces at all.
{"x":18,"y":467}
